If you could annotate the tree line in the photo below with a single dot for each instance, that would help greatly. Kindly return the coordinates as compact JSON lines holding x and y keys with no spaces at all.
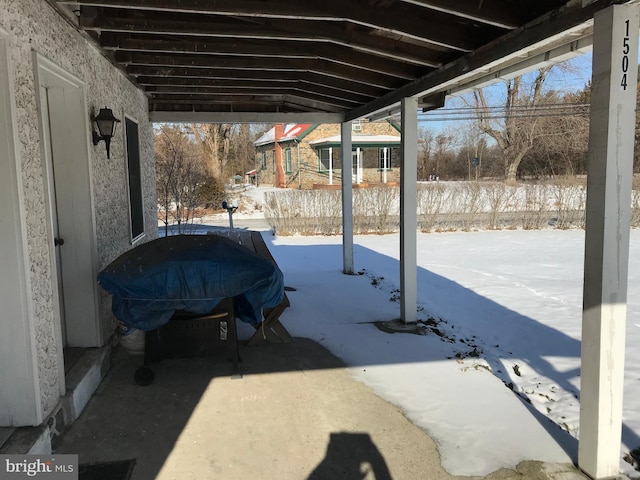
{"x":534,"y":133}
{"x":194,"y":162}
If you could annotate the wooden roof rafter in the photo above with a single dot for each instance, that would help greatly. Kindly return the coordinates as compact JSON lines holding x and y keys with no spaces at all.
{"x":351,"y":59}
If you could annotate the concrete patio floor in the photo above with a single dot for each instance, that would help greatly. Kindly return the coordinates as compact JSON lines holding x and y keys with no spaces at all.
{"x":295,"y":414}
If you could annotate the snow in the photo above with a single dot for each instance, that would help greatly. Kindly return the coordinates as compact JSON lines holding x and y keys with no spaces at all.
{"x":507,"y":307}
{"x":513,"y":296}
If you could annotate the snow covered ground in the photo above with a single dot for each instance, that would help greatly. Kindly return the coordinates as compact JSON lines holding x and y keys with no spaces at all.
{"x":495,"y":379}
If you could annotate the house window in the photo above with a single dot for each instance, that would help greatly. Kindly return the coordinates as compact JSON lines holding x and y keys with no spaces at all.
{"x":136,"y":212}
{"x":324,"y":159}
{"x":384,"y":158}
{"x":264,"y":160}
{"x":288,"y":168}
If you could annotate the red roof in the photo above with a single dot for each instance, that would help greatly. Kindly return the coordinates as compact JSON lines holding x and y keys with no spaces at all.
{"x":295,"y":130}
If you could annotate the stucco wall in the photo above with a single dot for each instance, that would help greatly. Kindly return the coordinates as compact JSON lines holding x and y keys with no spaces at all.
{"x":34,"y":26}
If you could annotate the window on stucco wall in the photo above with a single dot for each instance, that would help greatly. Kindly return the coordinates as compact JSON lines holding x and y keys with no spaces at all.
{"x":136,"y":212}
{"x":264,"y":160}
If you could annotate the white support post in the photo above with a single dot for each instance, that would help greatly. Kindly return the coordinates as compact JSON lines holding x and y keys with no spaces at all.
{"x":610,"y":168}
{"x":408,"y":212}
{"x":330,"y":165}
{"x":347,"y":199}
{"x":385,"y":163}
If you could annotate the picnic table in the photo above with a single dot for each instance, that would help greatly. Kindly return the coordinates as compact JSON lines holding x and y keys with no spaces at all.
{"x":271,"y":329}
{"x":186,"y":291}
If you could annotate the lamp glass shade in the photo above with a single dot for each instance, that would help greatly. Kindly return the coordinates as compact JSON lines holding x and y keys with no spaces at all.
{"x":106,"y":122}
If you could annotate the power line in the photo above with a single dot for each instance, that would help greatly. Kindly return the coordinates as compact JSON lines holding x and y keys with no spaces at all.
{"x":501,"y":112}
{"x":514,"y":107}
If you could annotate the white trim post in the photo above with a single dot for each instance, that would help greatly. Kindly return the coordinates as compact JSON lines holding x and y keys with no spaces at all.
{"x":330,"y":165}
{"x":385,"y":162}
{"x":20,"y":393}
{"x":610,"y":169}
{"x":347,"y":199}
{"x":408,"y":212}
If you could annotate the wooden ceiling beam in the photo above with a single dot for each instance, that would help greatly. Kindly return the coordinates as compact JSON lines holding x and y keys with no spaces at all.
{"x":215,"y":94}
{"x":555,"y":23}
{"x":270,"y":51}
{"x":292,"y":31}
{"x":234,"y":103}
{"x":212,"y":82}
{"x":350,"y":58}
{"x":499,"y":13}
{"x":158,"y":84}
{"x":195,"y":75}
{"x":255,"y":114}
{"x":409,"y":23}
{"x":321,"y":67}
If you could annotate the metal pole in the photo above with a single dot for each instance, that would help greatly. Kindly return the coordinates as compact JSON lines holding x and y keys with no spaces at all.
{"x":230,"y":220}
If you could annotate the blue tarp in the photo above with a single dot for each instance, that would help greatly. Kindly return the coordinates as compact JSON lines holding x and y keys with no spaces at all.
{"x":193,"y":273}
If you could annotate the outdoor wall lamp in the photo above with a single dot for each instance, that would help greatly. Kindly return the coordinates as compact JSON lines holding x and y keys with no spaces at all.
{"x":106,"y":123}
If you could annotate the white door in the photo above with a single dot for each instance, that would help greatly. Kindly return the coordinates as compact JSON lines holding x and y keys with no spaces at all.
{"x":50,"y":95}
{"x":64,"y":127}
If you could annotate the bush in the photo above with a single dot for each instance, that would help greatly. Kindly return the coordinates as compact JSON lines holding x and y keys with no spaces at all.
{"x":211,"y":193}
{"x":444,"y":206}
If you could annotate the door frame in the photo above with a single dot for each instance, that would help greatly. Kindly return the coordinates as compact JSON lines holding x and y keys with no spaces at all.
{"x":83,"y":328}
{"x":21,"y":403}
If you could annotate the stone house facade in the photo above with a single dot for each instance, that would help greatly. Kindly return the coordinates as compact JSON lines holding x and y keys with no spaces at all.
{"x":307,"y":156}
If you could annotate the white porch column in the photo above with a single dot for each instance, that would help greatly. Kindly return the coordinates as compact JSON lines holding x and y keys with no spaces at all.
{"x":330,"y":165}
{"x":385,"y":163}
{"x":408,"y":212}
{"x":611,"y":139}
{"x":347,"y":199}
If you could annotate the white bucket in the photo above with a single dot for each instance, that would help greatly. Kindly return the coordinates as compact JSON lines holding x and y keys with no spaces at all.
{"x":132,"y":340}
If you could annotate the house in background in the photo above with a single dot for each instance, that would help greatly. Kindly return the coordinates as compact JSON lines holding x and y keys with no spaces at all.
{"x":68,"y":209}
{"x":308,"y":156}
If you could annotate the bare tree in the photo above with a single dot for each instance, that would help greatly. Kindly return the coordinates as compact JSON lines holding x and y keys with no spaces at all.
{"x":242,"y":150}
{"x":227,"y":148}
{"x":516,"y":132}
{"x":425,"y":152}
{"x":214,"y":139}
{"x":472,"y":151}
{"x":179,"y":170}
{"x":443,"y":154}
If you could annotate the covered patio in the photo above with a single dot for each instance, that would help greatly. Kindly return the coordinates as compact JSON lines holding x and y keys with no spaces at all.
{"x":319,"y":62}
{"x":297,"y":414}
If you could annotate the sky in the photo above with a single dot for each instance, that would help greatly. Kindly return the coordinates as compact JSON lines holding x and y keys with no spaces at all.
{"x":506,"y":309}
{"x":573,"y":76}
